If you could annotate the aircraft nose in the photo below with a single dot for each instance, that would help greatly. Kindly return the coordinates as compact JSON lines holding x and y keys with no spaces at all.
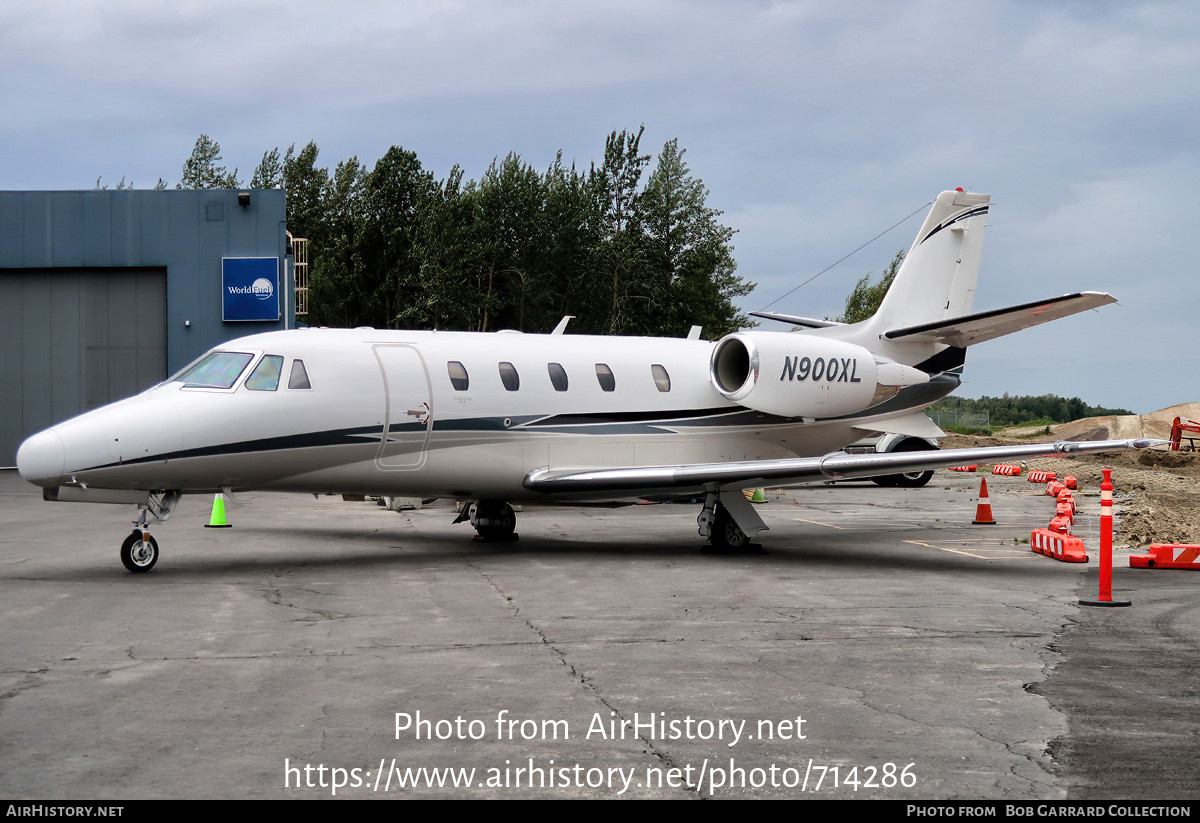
{"x":41,"y":459}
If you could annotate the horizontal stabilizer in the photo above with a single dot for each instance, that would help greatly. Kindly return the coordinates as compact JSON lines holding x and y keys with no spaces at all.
{"x":803,"y":322}
{"x":976,"y":328}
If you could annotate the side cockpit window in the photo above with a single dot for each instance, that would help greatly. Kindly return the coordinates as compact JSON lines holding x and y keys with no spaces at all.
{"x":216,"y":370}
{"x":299,"y":376}
{"x":265,"y":376}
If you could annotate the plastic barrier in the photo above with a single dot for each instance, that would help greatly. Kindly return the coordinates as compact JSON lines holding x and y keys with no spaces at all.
{"x":1168,"y":556}
{"x":1054,"y":487}
{"x":1062,"y":547}
{"x":1065,"y":510}
{"x":970,"y":468}
{"x":1036,"y":476}
{"x":1060,"y":525}
{"x":1003,"y":469}
{"x":1070,"y":482}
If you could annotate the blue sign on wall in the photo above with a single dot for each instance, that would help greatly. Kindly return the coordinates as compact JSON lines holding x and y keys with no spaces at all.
{"x":250,"y":288}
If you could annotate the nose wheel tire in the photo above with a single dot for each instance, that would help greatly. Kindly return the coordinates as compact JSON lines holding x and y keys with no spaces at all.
{"x":139,"y":552}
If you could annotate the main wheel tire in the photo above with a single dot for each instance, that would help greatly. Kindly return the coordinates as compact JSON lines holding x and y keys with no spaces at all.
{"x":727,"y":535}
{"x":908,"y":480}
{"x":139,"y":554}
{"x":493,"y":519}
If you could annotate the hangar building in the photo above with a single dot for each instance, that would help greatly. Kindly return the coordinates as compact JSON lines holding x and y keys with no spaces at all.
{"x":104,"y":293}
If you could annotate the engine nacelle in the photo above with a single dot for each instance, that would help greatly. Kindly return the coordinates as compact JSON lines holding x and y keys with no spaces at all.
{"x":800,"y":375}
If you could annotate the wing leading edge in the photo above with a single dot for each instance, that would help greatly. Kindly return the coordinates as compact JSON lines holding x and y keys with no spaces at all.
{"x":795,"y":471}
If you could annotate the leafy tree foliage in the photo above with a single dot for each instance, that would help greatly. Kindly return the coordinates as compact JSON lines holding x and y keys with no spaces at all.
{"x":863,"y":301}
{"x":1013,"y":410}
{"x":200,"y":171}
{"x":269,"y":172}
{"x":625,"y":247}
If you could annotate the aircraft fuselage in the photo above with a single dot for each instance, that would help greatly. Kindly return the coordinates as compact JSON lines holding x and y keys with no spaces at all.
{"x":440,"y":414}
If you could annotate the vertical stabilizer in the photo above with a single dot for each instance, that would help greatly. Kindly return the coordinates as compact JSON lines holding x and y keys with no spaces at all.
{"x":937,"y":279}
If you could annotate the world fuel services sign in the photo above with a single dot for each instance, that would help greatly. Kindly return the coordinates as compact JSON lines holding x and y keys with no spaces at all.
{"x":250,"y":288}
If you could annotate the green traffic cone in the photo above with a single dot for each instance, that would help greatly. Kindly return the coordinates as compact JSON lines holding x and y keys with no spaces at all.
{"x":217,"y":520}
{"x":759,"y":496}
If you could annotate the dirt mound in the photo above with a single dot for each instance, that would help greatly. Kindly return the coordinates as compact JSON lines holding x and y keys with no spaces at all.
{"x":1157,"y":497}
{"x":1125,"y":426}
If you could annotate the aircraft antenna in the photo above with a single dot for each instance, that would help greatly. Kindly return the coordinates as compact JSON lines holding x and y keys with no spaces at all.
{"x":851,"y":254}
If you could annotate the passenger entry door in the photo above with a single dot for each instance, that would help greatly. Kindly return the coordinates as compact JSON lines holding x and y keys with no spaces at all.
{"x":408,"y":409}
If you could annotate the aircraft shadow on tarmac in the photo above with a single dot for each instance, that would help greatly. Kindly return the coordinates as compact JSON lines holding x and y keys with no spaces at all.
{"x":245,"y":549}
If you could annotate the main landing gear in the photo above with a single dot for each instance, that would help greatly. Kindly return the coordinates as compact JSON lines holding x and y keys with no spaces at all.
{"x":729,"y":522}
{"x":139,"y":552}
{"x":494,"y":520}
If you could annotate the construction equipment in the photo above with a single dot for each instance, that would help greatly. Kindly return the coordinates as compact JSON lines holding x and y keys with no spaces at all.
{"x":1181,"y":425}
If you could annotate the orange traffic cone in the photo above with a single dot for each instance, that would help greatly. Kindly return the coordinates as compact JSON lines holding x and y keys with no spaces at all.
{"x":983,"y":512}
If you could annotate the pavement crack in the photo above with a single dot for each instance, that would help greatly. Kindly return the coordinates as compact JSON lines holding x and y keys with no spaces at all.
{"x":559,"y":653}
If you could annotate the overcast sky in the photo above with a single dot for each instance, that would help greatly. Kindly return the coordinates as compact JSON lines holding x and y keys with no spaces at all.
{"x":815,"y":125}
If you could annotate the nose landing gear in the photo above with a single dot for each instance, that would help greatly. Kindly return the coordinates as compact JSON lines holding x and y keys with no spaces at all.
{"x":139,"y":552}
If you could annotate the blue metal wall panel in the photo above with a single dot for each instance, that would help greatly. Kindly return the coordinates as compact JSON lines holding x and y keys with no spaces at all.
{"x":128,"y":229}
{"x":95,"y":212}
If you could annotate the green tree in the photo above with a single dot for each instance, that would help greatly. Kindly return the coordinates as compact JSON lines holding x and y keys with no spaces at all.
{"x":570,"y":234}
{"x":395,"y":191}
{"x":866,"y":296}
{"x":508,"y":239}
{"x":337,"y":282}
{"x":200,"y":171}
{"x":306,"y":188}
{"x":688,"y":275}
{"x":269,"y":173}
{"x":447,"y":257}
{"x":615,"y":187}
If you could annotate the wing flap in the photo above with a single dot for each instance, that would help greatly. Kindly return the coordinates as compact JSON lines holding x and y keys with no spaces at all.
{"x":977,"y":328}
{"x":794,"y":471}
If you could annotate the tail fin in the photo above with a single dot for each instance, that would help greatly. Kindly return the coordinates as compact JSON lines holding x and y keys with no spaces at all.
{"x":925,"y":319}
{"x":937,"y":279}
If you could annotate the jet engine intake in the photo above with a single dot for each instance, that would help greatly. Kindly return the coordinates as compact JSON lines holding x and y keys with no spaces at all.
{"x":798,"y":375}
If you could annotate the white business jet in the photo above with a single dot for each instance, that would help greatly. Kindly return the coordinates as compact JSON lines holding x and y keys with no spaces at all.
{"x":492,"y":419}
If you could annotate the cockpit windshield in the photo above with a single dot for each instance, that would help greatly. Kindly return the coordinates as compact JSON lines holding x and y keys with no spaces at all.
{"x":216,"y":370}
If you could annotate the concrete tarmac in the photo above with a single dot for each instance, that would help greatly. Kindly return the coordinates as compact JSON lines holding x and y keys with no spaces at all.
{"x":881,"y":647}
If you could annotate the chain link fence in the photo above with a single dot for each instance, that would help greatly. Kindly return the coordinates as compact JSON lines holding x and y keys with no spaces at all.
{"x":959,"y":421}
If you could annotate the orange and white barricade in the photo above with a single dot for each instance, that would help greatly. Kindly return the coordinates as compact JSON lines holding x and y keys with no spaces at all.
{"x":1062,"y":547}
{"x":1038,"y":476}
{"x":1168,"y":556}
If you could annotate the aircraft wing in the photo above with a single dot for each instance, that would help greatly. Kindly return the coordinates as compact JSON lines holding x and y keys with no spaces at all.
{"x":976,"y":328}
{"x":797,"y":470}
